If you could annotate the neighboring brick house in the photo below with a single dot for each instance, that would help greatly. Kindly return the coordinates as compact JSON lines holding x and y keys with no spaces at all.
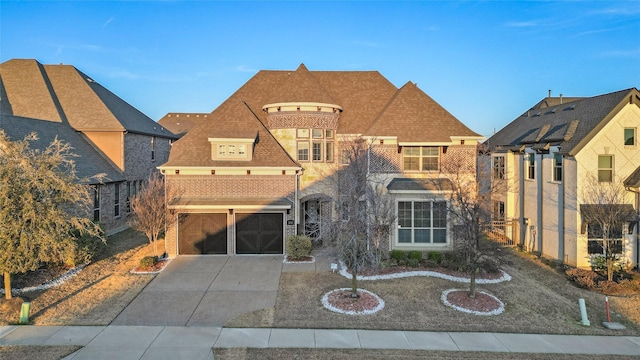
{"x":255,"y":170}
{"x":543,"y":160}
{"x":109,"y":135}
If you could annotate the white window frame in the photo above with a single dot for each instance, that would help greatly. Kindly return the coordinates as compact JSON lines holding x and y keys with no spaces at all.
{"x":557,"y":168}
{"x":634,"y":137}
{"x":431,"y":228}
{"x":499,"y":170}
{"x":530,"y":165}
{"x":421,"y":157}
{"x":608,"y":169}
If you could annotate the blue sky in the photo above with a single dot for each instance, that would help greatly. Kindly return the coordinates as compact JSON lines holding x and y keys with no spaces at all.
{"x":485,"y":62}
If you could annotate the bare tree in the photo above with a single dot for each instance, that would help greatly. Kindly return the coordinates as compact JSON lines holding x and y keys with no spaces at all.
{"x":606,"y":214}
{"x":43,"y":206}
{"x":150,"y":213}
{"x":365,"y":213}
{"x":468,"y":209}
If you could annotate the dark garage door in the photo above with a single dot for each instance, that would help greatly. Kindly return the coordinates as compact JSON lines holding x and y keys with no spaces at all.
{"x":202,"y":234}
{"x":259,"y":233}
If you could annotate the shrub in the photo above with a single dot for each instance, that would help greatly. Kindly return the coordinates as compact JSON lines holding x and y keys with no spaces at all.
{"x":435,"y":256}
{"x":397,"y":255}
{"x":148,"y":261}
{"x":599,"y":264}
{"x":84,"y":250}
{"x":413,"y":262}
{"x":415,"y":255}
{"x":583,"y":278}
{"x":298,"y":246}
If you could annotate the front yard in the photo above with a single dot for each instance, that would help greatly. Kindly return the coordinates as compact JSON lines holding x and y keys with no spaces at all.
{"x":537,"y":300}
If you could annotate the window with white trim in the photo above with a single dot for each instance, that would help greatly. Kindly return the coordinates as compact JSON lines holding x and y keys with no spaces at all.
{"x":422,"y":222}
{"x":630,"y":136}
{"x":317,"y":146}
{"x":605,"y":168}
{"x":421,"y":158}
{"x":498,"y":168}
{"x":596,"y":243}
{"x":303,"y":150}
{"x":530,"y":165}
{"x":557,"y":167}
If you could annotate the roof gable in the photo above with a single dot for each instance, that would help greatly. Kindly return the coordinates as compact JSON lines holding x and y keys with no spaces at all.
{"x":569,"y":125}
{"x":413,"y":116}
{"x":232,"y":119}
{"x":26,"y":90}
{"x":300,"y":86}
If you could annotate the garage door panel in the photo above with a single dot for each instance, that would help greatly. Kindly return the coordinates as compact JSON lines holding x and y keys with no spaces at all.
{"x":259,"y":233}
{"x":202,"y":234}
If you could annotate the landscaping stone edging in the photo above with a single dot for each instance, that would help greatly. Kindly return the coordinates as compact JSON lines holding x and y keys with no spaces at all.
{"x":503,"y":278}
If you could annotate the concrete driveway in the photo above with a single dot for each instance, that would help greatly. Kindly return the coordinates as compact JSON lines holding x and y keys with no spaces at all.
{"x":205,"y":291}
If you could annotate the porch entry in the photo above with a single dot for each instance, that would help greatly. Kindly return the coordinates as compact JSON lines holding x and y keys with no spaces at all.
{"x":316,"y":217}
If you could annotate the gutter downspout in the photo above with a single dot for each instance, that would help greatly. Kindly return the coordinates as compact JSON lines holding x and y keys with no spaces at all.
{"x":540,"y":204}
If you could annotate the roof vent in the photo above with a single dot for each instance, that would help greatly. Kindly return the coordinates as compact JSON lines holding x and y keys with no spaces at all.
{"x":536,"y":114}
{"x":90,"y":80}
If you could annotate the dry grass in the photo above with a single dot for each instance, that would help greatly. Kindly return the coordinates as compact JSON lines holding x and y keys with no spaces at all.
{"x":98,"y":293}
{"x":21,"y":352}
{"x":537,"y":300}
{"x":370,"y":354}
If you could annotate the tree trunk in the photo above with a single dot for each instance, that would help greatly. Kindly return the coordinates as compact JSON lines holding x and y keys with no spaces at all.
{"x":354,"y":283}
{"x":7,"y":286}
{"x":155,"y":246}
{"x":472,"y":283}
{"x":610,"y":269}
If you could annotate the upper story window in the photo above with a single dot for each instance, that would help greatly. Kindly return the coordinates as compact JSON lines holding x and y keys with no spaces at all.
{"x":498,"y":211}
{"x":530,"y":163}
{"x":421,"y":158}
{"x":630,"y":136}
{"x":315,"y":145}
{"x":231,"y":149}
{"x":498,"y":172}
{"x":605,"y":168}
{"x":557,"y":167}
{"x":153,"y":148}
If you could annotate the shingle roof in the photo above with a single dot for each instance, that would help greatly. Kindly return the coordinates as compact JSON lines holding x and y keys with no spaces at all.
{"x":63,"y":93}
{"x":181,"y":123}
{"x":634,"y":179}
{"x":365,"y":97}
{"x":300,"y":86}
{"x":568,"y":125}
{"x":89,"y":162}
{"x":413,"y":116}
{"x":233,"y":118}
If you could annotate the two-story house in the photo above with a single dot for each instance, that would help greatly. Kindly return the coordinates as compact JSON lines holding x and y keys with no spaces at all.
{"x":110,"y":136}
{"x":546,"y":161}
{"x":255,"y":170}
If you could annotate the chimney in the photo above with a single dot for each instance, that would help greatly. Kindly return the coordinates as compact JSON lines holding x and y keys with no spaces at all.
{"x":560,"y":99}
{"x":549,"y":93}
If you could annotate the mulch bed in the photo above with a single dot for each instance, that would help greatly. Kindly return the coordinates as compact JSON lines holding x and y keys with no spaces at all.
{"x":481,"y":303}
{"x":157,"y":267}
{"x":343,"y":300}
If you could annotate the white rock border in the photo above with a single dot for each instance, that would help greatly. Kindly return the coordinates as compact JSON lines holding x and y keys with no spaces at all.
{"x":133,"y":271}
{"x":49,"y":284}
{"x":504,"y":277}
{"x":328,"y":306}
{"x":286,"y":260}
{"x":497,"y":311}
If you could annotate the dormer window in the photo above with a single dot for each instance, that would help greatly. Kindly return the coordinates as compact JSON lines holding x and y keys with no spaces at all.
{"x":231,"y":149}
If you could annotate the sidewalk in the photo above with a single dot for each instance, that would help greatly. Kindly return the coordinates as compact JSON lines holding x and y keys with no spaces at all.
{"x":184,"y":342}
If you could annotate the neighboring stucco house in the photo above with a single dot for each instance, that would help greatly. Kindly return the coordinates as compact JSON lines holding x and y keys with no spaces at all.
{"x":255,"y":170}
{"x":545,"y":160}
{"x":110,"y":136}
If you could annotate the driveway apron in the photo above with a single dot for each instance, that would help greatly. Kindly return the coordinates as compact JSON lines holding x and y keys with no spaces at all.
{"x":205,"y":291}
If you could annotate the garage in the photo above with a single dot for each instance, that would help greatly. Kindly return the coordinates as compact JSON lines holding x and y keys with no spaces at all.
{"x":259,"y":233}
{"x":202,"y":234}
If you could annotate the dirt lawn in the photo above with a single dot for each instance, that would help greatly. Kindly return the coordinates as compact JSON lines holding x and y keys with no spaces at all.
{"x":537,"y":299}
{"x":98,"y":293}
